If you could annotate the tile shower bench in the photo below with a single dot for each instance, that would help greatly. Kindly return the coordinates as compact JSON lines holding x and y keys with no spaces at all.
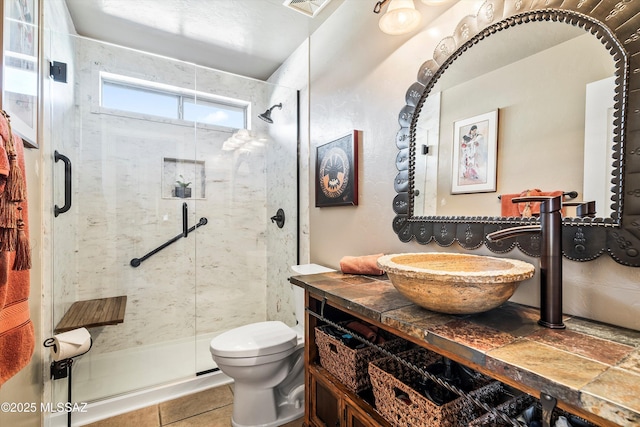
{"x":592,"y":369}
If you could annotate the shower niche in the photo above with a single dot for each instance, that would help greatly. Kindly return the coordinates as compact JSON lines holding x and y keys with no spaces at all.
{"x":183,"y":178}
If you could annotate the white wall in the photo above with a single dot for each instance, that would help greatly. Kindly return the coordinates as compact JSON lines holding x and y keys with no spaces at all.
{"x":359,"y":77}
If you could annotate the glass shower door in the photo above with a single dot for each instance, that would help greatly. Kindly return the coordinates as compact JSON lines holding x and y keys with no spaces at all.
{"x":124,"y":205}
{"x":129,"y":197}
{"x":243,"y":260}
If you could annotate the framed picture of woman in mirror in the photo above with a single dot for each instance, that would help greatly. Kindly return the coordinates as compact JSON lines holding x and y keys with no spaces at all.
{"x":475,"y":154}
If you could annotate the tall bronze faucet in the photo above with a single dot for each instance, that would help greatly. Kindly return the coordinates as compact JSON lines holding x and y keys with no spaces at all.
{"x":550,"y":230}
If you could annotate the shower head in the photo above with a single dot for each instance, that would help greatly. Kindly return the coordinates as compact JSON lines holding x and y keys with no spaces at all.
{"x":266,"y":116}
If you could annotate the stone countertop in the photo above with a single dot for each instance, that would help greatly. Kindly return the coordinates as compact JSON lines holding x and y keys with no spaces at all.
{"x":589,"y":365}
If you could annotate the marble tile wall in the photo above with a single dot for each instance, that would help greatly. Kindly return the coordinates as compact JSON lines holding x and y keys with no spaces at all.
{"x":293,"y":73}
{"x":282,"y":173}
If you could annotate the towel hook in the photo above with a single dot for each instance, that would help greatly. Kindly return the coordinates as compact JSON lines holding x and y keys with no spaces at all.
{"x":278,"y":218}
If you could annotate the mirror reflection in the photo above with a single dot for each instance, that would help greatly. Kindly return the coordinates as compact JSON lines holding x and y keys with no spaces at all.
{"x":553,"y":88}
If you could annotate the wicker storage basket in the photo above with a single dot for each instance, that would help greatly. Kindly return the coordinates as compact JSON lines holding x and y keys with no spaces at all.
{"x":400,"y":404}
{"x":516,"y":405}
{"x":349,"y":365}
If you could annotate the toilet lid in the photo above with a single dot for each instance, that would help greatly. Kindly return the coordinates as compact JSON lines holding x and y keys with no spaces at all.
{"x":256,"y":339}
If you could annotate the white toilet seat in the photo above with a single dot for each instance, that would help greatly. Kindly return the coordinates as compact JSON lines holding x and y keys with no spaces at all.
{"x":255,"y":360}
{"x":256,"y":340}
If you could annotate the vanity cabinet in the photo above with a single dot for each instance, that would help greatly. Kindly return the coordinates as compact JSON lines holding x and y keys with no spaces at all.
{"x":325,"y":405}
{"x":592,"y":370}
{"x":328,"y":402}
{"x":358,"y":418}
{"x":331,"y":405}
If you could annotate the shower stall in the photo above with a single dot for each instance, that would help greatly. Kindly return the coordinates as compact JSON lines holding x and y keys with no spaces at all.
{"x":129,"y":165}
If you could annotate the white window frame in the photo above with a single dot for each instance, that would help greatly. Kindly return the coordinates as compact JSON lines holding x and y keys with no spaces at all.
{"x":179,"y":92}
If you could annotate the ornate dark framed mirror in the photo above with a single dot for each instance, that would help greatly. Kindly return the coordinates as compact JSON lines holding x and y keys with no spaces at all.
{"x":424,"y":204}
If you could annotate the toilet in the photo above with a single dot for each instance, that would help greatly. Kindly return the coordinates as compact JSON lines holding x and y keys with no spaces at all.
{"x":266,"y":362}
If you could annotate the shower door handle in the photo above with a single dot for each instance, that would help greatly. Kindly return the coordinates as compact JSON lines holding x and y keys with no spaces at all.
{"x":67,"y":184}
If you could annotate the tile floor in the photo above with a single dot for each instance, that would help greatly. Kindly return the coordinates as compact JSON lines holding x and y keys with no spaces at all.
{"x":209,"y":408}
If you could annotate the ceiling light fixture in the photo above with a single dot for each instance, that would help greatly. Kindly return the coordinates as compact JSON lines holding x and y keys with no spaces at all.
{"x":401,"y":17}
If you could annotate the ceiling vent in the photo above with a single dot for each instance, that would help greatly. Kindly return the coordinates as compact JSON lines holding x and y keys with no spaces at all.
{"x":308,"y":7}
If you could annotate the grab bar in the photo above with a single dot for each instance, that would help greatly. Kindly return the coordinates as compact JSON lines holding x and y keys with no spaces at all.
{"x":135,"y":262}
{"x":67,"y":184}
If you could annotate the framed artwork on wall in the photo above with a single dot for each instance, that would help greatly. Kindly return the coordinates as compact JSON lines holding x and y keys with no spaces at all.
{"x":20,"y":68}
{"x":475,"y":145}
{"x":337,"y":171}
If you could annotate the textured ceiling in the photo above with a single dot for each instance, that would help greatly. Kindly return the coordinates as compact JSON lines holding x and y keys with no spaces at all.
{"x":247,"y":37}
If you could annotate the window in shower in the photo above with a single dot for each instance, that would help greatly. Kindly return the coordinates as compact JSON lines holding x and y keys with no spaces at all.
{"x":143,"y":97}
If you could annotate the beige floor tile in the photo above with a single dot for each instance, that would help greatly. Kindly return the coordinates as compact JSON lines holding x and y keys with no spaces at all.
{"x":220,"y":417}
{"x":209,"y":408}
{"x":294,"y":423}
{"x":145,"y":417}
{"x":194,"y":404}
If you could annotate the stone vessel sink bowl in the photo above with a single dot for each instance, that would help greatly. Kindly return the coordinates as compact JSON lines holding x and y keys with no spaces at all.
{"x":455,"y":283}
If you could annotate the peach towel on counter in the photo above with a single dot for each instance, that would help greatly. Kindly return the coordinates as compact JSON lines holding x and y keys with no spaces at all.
{"x":367,"y":264}
{"x":527,"y":209}
{"x":16,"y":329}
{"x":509,"y":208}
